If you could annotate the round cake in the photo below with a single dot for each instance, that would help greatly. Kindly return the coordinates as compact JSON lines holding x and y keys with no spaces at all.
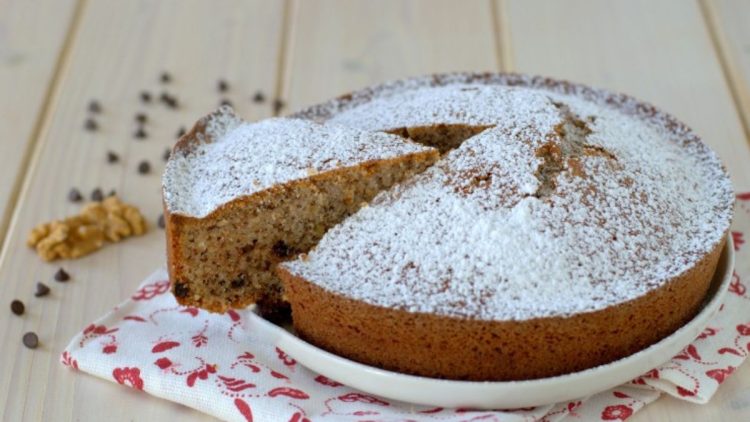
{"x":564,"y":227}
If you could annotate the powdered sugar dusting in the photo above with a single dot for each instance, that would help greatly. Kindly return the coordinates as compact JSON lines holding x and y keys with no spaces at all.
{"x":230,"y":158}
{"x":476,"y":236}
{"x":454,"y":104}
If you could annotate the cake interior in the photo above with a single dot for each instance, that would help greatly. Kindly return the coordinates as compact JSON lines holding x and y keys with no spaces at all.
{"x":444,"y":137}
{"x":227,"y":261}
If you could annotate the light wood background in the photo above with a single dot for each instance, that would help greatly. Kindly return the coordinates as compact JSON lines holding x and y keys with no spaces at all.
{"x":690,"y":57}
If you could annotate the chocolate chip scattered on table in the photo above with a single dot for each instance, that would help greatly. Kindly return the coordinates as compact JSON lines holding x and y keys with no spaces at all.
{"x":75,"y":195}
{"x":61,"y":275}
{"x":31,"y":340}
{"x":17,"y":307}
{"x":41,"y":289}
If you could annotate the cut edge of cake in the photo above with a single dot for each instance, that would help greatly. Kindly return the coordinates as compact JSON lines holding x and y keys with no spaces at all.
{"x":226,"y":258}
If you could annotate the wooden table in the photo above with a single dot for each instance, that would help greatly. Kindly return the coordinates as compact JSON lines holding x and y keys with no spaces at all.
{"x":689,"y":57}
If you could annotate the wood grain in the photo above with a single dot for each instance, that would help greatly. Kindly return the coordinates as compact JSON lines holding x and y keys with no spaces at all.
{"x":660,"y":51}
{"x":33,"y":38}
{"x":729,"y":23}
{"x":336,"y":46}
{"x":120,"y":48}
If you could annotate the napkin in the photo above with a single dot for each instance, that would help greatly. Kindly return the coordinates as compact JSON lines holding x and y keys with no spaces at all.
{"x":224,"y":366}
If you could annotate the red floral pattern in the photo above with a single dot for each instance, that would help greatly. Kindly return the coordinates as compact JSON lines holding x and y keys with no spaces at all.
{"x":130,"y":376}
{"x":151,"y":290}
{"x":617,"y":412}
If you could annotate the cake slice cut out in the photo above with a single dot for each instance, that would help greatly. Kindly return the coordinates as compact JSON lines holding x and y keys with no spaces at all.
{"x":241,"y":197}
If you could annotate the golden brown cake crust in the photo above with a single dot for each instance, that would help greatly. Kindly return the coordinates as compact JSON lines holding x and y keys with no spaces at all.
{"x":446,"y":347}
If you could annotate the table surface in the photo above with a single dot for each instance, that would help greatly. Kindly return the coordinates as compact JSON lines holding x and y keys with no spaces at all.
{"x":691,"y":58}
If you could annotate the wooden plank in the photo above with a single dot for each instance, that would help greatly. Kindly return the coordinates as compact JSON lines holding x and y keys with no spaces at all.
{"x":657,"y":50}
{"x":33,"y":36}
{"x":729,"y":22}
{"x":119,"y":49}
{"x":340,"y":45}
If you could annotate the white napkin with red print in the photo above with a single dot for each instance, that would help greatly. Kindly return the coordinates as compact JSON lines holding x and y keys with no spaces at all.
{"x":222,"y":365}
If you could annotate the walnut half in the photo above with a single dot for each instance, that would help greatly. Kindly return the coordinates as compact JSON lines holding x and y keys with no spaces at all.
{"x":109,"y":220}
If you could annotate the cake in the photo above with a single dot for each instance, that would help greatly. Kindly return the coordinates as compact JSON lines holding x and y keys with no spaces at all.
{"x":570,"y":227}
{"x":240,"y":197}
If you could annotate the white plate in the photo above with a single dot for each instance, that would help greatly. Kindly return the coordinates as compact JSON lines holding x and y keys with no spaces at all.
{"x":509,"y":394}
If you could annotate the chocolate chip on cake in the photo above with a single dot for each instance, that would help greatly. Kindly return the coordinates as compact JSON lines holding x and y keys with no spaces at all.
{"x":259,"y":97}
{"x":74,"y":195}
{"x":112,"y":157}
{"x":181,"y":131}
{"x":167,"y":153}
{"x":62,"y":276}
{"x":97,"y":195}
{"x":31,"y":340}
{"x":225,"y":102}
{"x":281,"y":249}
{"x":145,"y":97}
{"x":141,"y":118}
{"x":222,"y":85}
{"x":90,"y":125}
{"x":17,"y":307}
{"x":95,"y":107}
{"x":41,"y":290}
{"x":165,"y":77}
{"x":278,"y":105}
{"x":181,"y":290}
{"x":144,"y":167}
{"x":160,"y":221}
{"x":112,"y":193}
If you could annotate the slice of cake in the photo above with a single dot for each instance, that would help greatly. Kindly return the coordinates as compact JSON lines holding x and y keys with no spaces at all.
{"x":241,"y":197}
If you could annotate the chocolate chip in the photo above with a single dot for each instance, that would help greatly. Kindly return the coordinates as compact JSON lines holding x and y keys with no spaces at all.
{"x":141,"y":118}
{"x":62,"y":276}
{"x":181,"y":131}
{"x":95,"y":107}
{"x":97,"y":195}
{"x":259,"y":97}
{"x":281,"y":249}
{"x":181,"y":290}
{"x":278,"y":105}
{"x":144,"y":167}
{"x":91,"y":125}
{"x":41,"y":290}
{"x":17,"y":307}
{"x":145,"y":97}
{"x":31,"y":340}
{"x":140,"y":133}
{"x":222,"y":85}
{"x":112,"y":193}
{"x":112,"y":157}
{"x":225,"y":102}
{"x":74,"y":195}
{"x":165,"y":77}
{"x":168,"y":99}
{"x":167,"y":153}
{"x":160,"y":221}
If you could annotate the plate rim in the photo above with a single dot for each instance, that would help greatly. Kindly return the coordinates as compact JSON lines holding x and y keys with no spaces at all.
{"x":412,"y":388}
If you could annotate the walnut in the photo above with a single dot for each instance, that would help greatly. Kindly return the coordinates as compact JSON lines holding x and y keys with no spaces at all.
{"x":110,"y":220}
